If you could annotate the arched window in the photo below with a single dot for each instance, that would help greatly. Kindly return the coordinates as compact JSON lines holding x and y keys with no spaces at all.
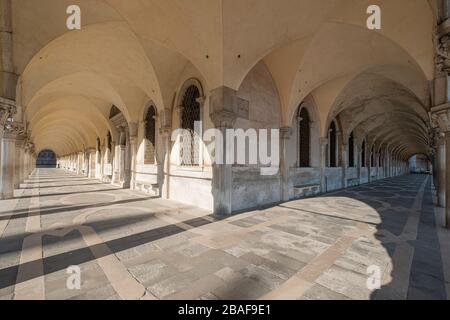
{"x":363,"y":154}
{"x":114,"y":112}
{"x":150,"y":136}
{"x":190,"y":113}
{"x":351,"y":151}
{"x":332,"y":145}
{"x":304,"y":138}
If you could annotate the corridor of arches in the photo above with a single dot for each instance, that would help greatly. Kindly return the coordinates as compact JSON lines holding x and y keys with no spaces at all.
{"x":351,"y":105}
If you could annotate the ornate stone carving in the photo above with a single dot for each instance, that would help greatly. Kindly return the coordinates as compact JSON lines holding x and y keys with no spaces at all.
{"x":442,"y":46}
{"x":16,"y":129}
{"x":440,"y":118}
{"x":7,"y":110}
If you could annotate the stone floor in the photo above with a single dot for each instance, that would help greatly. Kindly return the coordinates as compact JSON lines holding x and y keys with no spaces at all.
{"x":128,"y":245}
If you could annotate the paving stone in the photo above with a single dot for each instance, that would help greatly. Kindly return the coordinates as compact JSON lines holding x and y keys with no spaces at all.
{"x":318,"y":292}
{"x":254,"y":258}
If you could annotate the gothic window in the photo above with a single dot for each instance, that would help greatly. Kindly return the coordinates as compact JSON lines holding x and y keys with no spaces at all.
{"x":351,"y":151}
{"x":332,"y":145}
{"x":150,"y":136}
{"x":363,"y":154}
{"x":190,"y":113}
{"x":304,"y":137}
{"x":114,"y":112}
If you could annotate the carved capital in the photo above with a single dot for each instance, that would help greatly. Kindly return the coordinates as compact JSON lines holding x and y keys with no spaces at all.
{"x":440,"y":117}
{"x":7,"y":110}
{"x":16,"y":130}
{"x":133,"y":126}
{"x":442,"y":47}
{"x":323,"y":142}
{"x":165,"y":131}
{"x":285,"y":133}
{"x":224,"y":107}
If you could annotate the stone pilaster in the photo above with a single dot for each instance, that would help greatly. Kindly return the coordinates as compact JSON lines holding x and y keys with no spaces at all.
{"x":285,"y":135}
{"x":344,"y":161}
{"x":358,"y":162}
{"x":323,"y":164}
{"x":369,"y":162}
{"x":91,"y":162}
{"x":8,"y":165}
{"x":133,"y":134}
{"x":20,"y":153}
{"x":165,"y":133}
{"x":440,"y":117}
{"x":223,"y":113}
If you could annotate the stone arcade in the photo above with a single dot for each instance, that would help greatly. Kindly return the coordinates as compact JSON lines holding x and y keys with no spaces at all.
{"x":341,"y":124}
{"x":352,"y":105}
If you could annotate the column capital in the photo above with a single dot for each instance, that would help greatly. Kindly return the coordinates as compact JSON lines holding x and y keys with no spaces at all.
{"x":285,"y":132}
{"x":440,"y":117}
{"x":7,"y":110}
{"x":133,"y":127}
{"x":323,"y":141}
{"x":15,"y":130}
{"x":165,"y":131}
{"x":224,"y":107}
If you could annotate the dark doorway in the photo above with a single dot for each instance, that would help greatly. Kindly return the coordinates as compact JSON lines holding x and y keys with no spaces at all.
{"x":46,"y":159}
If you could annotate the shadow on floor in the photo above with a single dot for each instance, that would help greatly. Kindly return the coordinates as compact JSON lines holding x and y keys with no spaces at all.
{"x":424,"y":280}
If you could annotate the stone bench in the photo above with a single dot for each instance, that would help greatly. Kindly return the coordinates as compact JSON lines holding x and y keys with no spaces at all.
{"x":308,"y":190}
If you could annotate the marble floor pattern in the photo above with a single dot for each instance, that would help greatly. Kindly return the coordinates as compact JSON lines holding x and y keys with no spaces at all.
{"x":128,"y":245}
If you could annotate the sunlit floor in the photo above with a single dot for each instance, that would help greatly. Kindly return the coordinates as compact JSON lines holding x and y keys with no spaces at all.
{"x":127,"y":245}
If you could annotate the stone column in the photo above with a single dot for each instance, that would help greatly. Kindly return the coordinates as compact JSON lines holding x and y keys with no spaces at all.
{"x":91,"y":160}
{"x":377,"y":165}
{"x":165,"y":133}
{"x":323,"y":164}
{"x":8,"y":164}
{"x":133,"y":127}
{"x":18,"y":175}
{"x":358,"y":162}
{"x":24,"y":169}
{"x":80,"y":161}
{"x":440,"y":176}
{"x":447,"y":179}
{"x":285,"y":135}
{"x":223,"y":113}
{"x":369,"y":162}
{"x":344,"y":161}
{"x":440,"y":117}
